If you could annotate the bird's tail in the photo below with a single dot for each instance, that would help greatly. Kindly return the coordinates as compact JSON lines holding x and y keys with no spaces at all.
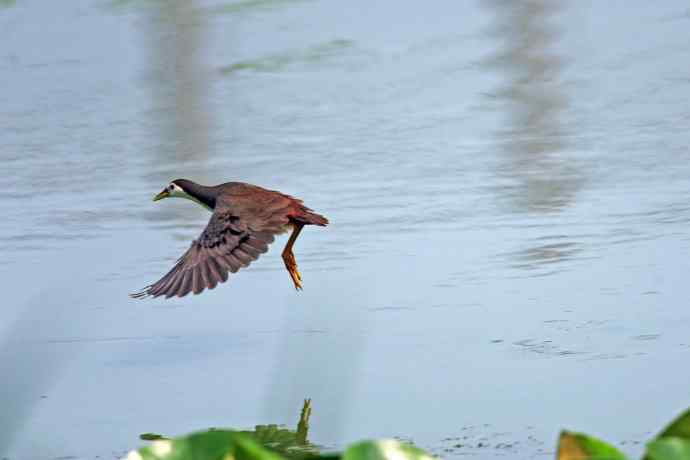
{"x":308,"y":217}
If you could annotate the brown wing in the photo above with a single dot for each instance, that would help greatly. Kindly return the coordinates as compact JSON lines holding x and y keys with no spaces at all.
{"x":237,"y":233}
{"x":269,"y":208}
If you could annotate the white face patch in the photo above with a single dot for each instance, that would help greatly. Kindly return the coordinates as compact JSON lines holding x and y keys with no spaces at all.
{"x":176,"y":191}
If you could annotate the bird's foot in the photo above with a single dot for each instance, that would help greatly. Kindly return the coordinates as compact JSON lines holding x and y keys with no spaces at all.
{"x":291,"y":266}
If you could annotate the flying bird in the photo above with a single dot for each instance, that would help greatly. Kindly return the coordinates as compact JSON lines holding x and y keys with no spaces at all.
{"x":244,"y":221}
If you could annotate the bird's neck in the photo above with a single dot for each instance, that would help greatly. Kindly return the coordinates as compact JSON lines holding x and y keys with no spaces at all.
{"x":205,"y":196}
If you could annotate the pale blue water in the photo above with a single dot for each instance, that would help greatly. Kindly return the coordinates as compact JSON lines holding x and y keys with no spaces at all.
{"x":508,"y":190}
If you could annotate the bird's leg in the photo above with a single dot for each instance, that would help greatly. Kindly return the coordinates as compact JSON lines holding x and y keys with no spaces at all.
{"x":289,"y":257}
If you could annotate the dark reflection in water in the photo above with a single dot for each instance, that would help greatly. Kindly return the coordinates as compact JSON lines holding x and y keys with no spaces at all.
{"x":541,"y":177}
{"x":539,"y":174}
{"x":277,"y":62}
{"x":546,"y":254}
{"x":250,"y":6}
{"x":178,"y":80}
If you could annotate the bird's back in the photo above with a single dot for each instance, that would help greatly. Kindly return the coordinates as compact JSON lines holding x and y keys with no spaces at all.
{"x":267,"y":204}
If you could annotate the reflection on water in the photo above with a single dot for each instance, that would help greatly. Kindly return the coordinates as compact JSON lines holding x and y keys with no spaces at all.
{"x":250,"y":6}
{"x":545,"y":254}
{"x":179,"y":80}
{"x":541,"y":171}
{"x":542,"y":178}
{"x":314,"y":54}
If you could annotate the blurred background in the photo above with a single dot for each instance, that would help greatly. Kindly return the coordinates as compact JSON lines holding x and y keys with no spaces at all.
{"x":507,"y":184}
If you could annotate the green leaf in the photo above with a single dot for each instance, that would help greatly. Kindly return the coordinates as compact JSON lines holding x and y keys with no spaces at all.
{"x":207,"y":445}
{"x":678,"y":428}
{"x":385,"y":449}
{"x":669,"y":448}
{"x":578,"y":446}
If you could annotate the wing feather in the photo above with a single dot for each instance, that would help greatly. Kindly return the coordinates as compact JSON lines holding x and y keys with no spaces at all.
{"x":196,"y":280}
{"x":217,"y":271}
{"x":174,"y":286}
{"x":186,"y":285}
{"x":238,"y":232}
{"x":205,"y":278}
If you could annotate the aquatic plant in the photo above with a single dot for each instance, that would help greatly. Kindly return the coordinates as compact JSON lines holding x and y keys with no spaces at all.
{"x":270,"y":442}
{"x":672,"y":443}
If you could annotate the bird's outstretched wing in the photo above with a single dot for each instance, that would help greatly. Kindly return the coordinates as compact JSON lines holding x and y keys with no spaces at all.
{"x":233,"y":238}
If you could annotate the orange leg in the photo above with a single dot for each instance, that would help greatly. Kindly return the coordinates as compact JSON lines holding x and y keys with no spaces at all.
{"x":289,"y":257}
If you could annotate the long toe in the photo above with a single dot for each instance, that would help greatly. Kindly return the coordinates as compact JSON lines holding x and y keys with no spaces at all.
{"x":296,"y":278}
{"x":291,"y":267}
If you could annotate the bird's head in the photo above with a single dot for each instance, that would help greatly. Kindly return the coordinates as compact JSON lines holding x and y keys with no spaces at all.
{"x":173,"y":189}
{"x":183,"y":188}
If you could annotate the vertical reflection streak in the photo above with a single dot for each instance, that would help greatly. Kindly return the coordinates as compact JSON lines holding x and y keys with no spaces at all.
{"x":539,"y":176}
{"x":181,"y":116}
{"x":533,"y":139}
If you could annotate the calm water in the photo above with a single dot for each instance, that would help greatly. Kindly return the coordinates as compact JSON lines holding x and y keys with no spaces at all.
{"x":508,"y":190}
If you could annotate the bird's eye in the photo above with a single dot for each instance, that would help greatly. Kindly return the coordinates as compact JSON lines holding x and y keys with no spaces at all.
{"x":171,"y":187}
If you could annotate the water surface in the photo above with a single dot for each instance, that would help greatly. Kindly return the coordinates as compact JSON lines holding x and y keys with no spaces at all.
{"x":508,"y":191}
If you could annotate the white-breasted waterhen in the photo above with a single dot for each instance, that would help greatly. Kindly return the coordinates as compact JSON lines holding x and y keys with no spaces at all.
{"x":244,"y":222}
